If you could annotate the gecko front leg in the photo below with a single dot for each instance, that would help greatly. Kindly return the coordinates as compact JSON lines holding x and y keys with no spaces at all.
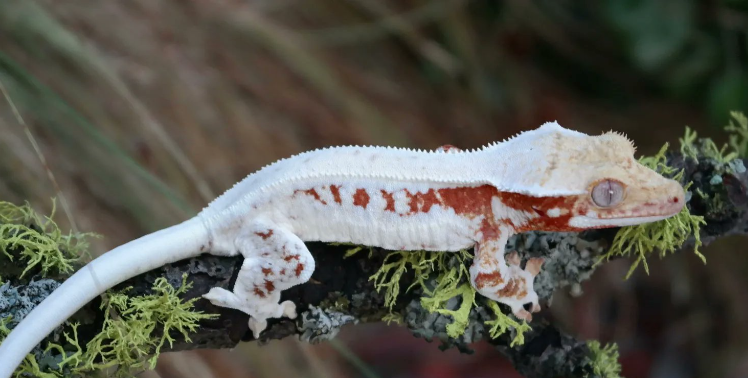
{"x":275,"y":260}
{"x":508,"y":284}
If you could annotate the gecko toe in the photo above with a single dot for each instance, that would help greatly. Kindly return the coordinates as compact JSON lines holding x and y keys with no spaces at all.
{"x":535,"y":307}
{"x":221,"y":297}
{"x":289,"y":309}
{"x":513,"y":258}
{"x":257,"y":326}
{"x":523,"y":315}
{"x":534,"y":265}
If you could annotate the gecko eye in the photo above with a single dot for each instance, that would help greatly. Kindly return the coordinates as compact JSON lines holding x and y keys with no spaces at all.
{"x":607,"y":193}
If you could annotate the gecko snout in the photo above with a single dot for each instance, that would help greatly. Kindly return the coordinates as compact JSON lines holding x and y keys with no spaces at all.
{"x":673,"y":202}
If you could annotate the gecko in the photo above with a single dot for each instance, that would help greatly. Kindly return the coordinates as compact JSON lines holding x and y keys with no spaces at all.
{"x":549,"y":178}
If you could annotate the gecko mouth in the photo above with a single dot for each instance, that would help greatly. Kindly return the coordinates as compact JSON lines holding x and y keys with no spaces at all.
{"x":627,"y":218}
{"x":594,"y":222}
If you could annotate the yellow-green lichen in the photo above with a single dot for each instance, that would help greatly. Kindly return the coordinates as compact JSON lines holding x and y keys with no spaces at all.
{"x":665,"y":236}
{"x":453,"y":280}
{"x":504,"y":323}
{"x":140,"y":328}
{"x":604,"y":360}
{"x":738,"y":130}
{"x":396,"y":264}
{"x":143,"y":325}
{"x":38,"y":241}
{"x":707,"y":148}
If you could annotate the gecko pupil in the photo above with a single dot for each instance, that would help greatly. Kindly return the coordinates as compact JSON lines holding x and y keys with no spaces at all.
{"x":607,"y":193}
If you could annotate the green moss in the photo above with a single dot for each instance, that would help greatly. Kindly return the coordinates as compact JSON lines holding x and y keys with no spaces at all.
{"x":738,"y":130}
{"x":38,"y":241}
{"x":665,"y":236}
{"x":504,"y":323}
{"x":395,"y":265}
{"x":393,"y":318}
{"x":604,"y":360}
{"x":453,"y":280}
{"x":687,"y":145}
{"x":145,"y":323}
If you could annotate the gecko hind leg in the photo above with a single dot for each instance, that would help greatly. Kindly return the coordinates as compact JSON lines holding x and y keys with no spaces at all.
{"x":275,"y":260}
{"x":504,"y":280}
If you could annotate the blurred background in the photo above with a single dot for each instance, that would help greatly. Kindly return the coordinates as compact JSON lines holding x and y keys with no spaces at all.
{"x":146,"y":110}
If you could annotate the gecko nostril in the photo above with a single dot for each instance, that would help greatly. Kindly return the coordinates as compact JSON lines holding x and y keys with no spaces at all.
{"x":527,"y":306}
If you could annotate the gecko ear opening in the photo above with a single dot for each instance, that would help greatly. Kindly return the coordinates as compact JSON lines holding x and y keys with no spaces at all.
{"x":607,"y":193}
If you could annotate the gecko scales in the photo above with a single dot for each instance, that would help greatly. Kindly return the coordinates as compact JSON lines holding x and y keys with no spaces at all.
{"x":550,"y":178}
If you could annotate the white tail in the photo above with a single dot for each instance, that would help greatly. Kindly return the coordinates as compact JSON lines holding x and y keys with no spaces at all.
{"x":172,"y":244}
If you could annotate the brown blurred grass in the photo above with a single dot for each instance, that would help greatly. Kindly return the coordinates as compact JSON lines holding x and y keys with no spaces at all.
{"x":147,"y":110}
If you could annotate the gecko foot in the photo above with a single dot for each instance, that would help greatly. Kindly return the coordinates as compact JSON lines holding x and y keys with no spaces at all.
{"x":516,"y":285}
{"x":258,"y":310}
{"x":525,"y":277}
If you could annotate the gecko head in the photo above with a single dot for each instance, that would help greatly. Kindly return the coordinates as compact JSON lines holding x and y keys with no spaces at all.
{"x":578,"y":181}
{"x":616,"y":190}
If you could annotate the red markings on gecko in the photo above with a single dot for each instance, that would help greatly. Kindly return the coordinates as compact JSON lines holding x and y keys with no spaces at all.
{"x":269,"y":286}
{"x":312,"y":192}
{"x":390,"y":198}
{"x":488,"y":279}
{"x":515,"y":288}
{"x":265,"y":235}
{"x":421,"y":202}
{"x":335,"y":190}
{"x":361,"y":198}
{"x":488,"y":229}
{"x":470,"y":202}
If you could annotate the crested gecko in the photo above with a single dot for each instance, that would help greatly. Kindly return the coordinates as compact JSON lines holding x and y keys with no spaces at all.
{"x":550,"y":178}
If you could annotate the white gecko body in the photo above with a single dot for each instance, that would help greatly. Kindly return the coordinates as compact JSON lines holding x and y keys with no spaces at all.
{"x":398,"y":199}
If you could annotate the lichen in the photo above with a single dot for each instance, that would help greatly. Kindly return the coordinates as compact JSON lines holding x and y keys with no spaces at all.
{"x":29,"y":366}
{"x":38,"y":241}
{"x":319,"y":324}
{"x":691,"y":147}
{"x":450,"y":293}
{"x":738,"y":130}
{"x":144,"y":324}
{"x":395,"y":265}
{"x":17,"y":301}
{"x":667,"y":235}
{"x":604,"y":360}
{"x":503,"y":323}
